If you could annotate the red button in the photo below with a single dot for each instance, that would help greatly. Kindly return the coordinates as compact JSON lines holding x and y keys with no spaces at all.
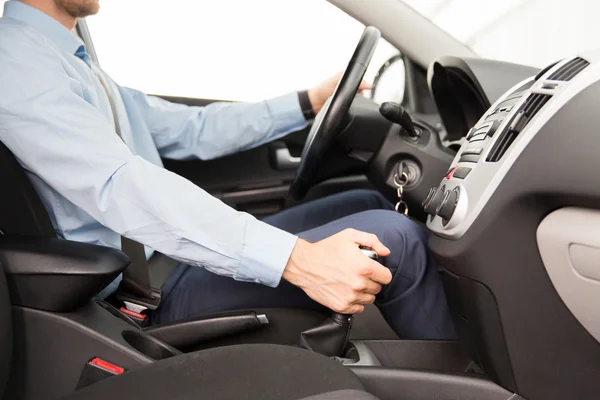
{"x":451,"y":173}
{"x":107,"y":366}
{"x":133,"y":313}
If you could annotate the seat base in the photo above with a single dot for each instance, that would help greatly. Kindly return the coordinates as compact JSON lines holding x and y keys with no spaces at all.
{"x":235,"y":372}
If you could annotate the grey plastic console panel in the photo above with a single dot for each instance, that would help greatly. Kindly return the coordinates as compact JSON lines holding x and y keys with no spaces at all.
{"x":569,"y":243}
{"x":51,"y":350}
{"x":431,"y":355}
{"x":399,"y":384}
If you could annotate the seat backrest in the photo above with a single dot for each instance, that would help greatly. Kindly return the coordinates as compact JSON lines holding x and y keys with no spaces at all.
{"x":6,"y":339}
{"x":21,"y":210}
{"x":21,"y":213}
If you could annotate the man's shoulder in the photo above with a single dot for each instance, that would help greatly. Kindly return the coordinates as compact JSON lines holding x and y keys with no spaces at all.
{"x":20,"y":42}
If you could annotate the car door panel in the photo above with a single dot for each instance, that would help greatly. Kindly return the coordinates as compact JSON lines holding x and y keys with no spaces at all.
{"x":250,"y":181}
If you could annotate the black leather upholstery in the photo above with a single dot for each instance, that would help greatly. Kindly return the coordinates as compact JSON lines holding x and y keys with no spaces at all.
{"x":27,"y":215}
{"x":57,"y":275}
{"x":6,"y":340}
{"x":330,"y":337}
{"x":265,"y":372}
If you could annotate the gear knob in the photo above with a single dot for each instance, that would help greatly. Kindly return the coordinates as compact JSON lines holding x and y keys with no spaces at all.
{"x":331,"y":337}
{"x":369,"y":252}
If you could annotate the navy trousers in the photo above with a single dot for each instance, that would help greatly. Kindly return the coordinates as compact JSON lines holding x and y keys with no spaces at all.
{"x":414,"y":303}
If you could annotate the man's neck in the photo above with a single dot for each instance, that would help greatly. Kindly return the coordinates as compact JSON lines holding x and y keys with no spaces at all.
{"x":50,"y":8}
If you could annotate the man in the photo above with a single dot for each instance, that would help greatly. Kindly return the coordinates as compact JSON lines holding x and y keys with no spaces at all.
{"x":100,"y":177}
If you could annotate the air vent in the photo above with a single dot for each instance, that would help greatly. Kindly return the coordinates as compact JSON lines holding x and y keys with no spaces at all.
{"x":569,"y":70}
{"x":532,"y":105}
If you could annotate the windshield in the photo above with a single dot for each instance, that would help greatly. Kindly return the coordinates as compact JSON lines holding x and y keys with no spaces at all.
{"x":533,"y":32}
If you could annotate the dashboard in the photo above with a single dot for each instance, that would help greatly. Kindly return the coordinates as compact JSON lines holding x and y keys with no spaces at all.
{"x":515,"y":227}
{"x":491,"y":146}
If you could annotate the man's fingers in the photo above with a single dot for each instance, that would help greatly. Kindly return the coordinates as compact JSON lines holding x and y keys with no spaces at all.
{"x":364,"y":85}
{"x":372,"y":287}
{"x":381,"y":274}
{"x":369,"y":240}
{"x":355,"y":309}
{"x":364,"y":298}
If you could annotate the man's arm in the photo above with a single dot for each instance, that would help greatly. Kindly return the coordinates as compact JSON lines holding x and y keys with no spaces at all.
{"x":185,"y":132}
{"x":58,"y":136}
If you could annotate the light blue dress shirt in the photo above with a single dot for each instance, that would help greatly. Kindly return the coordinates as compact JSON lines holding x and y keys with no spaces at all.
{"x":56,"y":118}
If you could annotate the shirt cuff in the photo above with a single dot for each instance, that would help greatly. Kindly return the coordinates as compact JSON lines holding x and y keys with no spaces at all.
{"x":265,"y":255}
{"x":286,"y":112}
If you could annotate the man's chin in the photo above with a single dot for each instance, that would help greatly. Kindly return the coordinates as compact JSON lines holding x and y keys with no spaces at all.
{"x":79,"y":8}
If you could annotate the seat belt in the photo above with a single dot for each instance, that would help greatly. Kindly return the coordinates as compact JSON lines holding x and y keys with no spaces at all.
{"x":134,"y":290}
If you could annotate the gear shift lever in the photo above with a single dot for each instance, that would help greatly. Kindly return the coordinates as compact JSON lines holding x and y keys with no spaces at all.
{"x":330,"y":338}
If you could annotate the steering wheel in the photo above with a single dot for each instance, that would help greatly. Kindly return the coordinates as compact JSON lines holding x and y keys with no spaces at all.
{"x":329,"y":122}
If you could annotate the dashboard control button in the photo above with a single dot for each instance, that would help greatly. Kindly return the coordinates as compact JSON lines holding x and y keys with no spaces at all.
{"x":470,"y":133}
{"x":435,"y":200}
{"x":479,"y":136}
{"x":494,"y":127}
{"x":461,"y":172}
{"x":472,"y":150}
{"x":469,"y":158}
{"x":429,"y":196}
{"x":449,"y":174}
{"x":448,"y":205}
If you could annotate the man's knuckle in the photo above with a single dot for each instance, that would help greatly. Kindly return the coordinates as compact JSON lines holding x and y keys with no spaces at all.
{"x":352,"y":297}
{"x":359,"y":285}
{"x":349,"y":231}
{"x":365,"y":270}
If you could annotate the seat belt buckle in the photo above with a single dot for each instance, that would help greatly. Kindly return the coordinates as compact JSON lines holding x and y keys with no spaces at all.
{"x":140,"y":304}
{"x":138,"y":317}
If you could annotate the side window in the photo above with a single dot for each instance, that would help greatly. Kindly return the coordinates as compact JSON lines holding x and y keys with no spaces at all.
{"x":227,"y":49}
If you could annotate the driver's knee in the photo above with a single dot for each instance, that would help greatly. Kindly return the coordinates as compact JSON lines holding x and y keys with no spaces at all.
{"x":372,"y":199}
{"x":409,"y":258}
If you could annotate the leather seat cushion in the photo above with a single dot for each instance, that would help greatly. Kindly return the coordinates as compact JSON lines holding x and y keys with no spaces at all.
{"x":255,"y":371}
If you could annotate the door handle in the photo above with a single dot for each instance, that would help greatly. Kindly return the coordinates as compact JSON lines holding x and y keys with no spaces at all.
{"x":282,"y":159}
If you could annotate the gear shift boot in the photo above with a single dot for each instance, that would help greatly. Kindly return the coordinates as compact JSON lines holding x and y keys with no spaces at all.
{"x":330,"y":338}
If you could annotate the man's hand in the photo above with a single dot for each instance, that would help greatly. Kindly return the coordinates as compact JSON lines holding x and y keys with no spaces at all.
{"x":335,"y":273}
{"x":320,"y":93}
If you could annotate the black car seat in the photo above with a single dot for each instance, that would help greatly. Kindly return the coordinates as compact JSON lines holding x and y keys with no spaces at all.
{"x":236,"y":372}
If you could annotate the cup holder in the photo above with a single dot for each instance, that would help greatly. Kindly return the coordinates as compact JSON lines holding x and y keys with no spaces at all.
{"x":149,"y":346}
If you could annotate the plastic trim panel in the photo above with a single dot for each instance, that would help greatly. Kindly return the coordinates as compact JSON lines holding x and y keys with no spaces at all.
{"x":569,"y":243}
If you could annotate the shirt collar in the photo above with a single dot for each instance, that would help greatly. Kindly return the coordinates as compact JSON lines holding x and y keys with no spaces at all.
{"x":66,"y":40}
